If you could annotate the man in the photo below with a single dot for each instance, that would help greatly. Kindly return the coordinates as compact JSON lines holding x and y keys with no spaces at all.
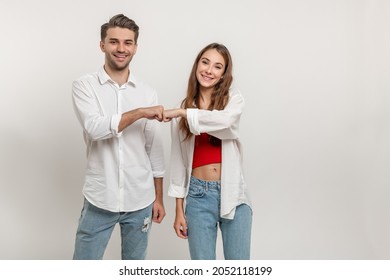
{"x":125,"y":160}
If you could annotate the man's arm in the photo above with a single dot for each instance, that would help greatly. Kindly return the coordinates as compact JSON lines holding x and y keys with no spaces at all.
{"x":151,"y":113}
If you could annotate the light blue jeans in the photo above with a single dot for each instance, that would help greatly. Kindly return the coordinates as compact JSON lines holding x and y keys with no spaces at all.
{"x":203,"y":217}
{"x":95,"y":228}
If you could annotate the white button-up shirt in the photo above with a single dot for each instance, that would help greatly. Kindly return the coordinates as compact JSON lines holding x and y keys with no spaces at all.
{"x":121,"y":167}
{"x":223,"y":124}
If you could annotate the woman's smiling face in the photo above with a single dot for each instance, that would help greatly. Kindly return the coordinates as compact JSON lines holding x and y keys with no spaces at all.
{"x":211,"y":68}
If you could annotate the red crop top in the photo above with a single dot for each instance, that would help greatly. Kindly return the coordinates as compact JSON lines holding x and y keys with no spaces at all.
{"x":206,"y":152}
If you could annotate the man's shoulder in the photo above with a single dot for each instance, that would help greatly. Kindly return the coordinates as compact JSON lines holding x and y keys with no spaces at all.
{"x":87,"y":77}
{"x":142,"y":84}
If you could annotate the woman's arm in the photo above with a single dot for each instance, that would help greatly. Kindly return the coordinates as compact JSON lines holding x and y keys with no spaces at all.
{"x":180,"y":224}
{"x":223,"y":124}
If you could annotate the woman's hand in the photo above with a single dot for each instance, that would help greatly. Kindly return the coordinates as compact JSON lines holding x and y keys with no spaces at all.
{"x":168,"y":115}
{"x":180,"y":226}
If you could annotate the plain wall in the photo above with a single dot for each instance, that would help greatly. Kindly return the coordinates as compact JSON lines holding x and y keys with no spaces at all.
{"x":316,"y":130}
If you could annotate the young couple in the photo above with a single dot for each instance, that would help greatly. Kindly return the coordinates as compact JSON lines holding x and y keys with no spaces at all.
{"x":125,"y":161}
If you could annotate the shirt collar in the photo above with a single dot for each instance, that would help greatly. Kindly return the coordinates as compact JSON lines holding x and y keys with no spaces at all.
{"x":104,"y":77}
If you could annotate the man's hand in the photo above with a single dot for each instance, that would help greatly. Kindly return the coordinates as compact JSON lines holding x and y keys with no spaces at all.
{"x":153,"y":113}
{"x":158,"y":212}
{"x":168,"y":115}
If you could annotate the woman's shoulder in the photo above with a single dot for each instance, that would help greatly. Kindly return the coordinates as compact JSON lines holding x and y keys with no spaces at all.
{"x":234,"y":91}
{"x":235,"y":94}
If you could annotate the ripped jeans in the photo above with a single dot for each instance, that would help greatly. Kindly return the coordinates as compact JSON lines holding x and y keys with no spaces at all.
{"x":95,"y":228}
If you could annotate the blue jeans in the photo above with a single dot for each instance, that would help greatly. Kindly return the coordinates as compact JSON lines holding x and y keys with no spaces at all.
{"x":95,"y":228}
{"x":203,"y":218}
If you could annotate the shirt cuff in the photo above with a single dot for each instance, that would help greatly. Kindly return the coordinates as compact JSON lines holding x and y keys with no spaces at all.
{"x":176,"y":191}
{"x":193,"y":120}
{"x":158,"y":174}
{"x":115,"y":124}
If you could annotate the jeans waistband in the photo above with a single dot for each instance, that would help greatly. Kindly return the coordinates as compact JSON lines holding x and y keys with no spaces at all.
{"x":206,"y":184}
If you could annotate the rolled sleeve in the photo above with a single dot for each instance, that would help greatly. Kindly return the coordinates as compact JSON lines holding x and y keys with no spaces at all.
{"x":89,"y":111}
{"x":177,"y":191}
{"x":223,"y":124}
{"x":193,"y":120}
{"x":115,"y":124}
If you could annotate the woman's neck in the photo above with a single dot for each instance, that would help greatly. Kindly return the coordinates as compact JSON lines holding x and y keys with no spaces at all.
{"x":205,"y":98}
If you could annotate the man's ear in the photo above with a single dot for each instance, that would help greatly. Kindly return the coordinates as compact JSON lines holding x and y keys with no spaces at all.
{"x":135,"y":49}
{"x":102,"y":46}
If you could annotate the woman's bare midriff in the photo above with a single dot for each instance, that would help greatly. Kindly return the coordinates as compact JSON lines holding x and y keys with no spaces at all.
{"x":209,"y":172}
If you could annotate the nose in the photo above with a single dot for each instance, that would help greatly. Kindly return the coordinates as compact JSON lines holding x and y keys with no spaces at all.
{"x":120,"y":47}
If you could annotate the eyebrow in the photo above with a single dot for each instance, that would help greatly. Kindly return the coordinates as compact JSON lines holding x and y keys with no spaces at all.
{"x":116,"y":39}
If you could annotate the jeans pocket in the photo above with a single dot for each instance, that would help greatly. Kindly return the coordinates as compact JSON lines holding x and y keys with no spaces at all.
{"x":196,"y":191}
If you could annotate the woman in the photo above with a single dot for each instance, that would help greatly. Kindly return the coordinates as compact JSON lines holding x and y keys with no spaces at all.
{"x":206,"y":161}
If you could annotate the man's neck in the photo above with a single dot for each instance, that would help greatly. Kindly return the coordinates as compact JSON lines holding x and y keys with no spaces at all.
{"x":118,"y":76}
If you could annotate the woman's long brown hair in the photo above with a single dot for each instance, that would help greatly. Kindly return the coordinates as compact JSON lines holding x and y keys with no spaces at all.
{"x":219,"y":97}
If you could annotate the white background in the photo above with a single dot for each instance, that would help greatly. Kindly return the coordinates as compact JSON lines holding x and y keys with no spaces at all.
{"x":316,"y":129}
